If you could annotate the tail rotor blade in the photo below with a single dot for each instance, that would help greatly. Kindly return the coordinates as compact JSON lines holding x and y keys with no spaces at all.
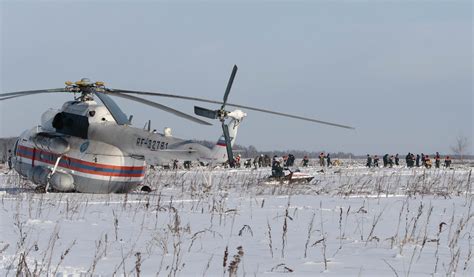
{"x":205,"y":112}
{"x":229,"y":85}
{"x":228,"y":145}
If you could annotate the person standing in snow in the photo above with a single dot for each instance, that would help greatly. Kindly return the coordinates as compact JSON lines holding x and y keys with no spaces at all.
{"x":277,"y":169}
{"x":267,"y":161}
{"x":175,"y":164}
{"x":437,"y":160}
{"x":376,"y":161}
{"x":407,"y":159}
{"x":328,"y":160}
{"x":397,"y":160}
{"x":321,"y":159}
{"x":305,"y":161}
{"x":447,"y":162}
{"x":427,"y":161}
{"x":369,"y":161}
{"x":237,"y":161}
{"x":260,"y":161}
{"x":385,"y":160}
{"x":10,"y":159}
{"x":417,"y":160}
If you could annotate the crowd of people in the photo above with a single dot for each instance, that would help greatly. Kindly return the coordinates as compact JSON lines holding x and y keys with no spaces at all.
{"x":325,"y":160}
{"x":410,"y":160}
{"x":284,"y":161}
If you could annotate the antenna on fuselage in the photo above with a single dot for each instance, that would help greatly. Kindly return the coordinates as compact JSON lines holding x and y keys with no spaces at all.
{"x":147,"y":126}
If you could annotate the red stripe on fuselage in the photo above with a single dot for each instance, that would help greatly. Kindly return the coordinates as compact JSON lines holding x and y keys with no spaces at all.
{"x":114,"y":174}
{"x":33,"y":158}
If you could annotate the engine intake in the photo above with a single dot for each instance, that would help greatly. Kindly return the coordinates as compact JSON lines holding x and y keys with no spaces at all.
{"x":54,"y":144}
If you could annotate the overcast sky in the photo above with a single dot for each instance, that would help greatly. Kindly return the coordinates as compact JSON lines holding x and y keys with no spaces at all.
{"x":399,"y":71}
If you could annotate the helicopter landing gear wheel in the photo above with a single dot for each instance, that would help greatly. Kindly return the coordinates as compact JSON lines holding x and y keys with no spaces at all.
{"x":146,"y":189}
{"x":40,"y":189}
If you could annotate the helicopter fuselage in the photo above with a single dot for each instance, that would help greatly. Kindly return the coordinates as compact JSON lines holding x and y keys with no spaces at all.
{"x":82,"y":148}
{"x":92,"y":148}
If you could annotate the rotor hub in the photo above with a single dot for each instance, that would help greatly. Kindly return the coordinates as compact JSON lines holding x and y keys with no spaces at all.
{"x":85,"y":87}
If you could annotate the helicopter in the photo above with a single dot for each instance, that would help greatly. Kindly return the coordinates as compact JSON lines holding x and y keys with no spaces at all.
{"x":90,"y":147}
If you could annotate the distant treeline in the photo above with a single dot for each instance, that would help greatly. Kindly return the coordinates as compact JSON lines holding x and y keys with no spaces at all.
{"x":251,"y":152}
{"x":245,"y":151}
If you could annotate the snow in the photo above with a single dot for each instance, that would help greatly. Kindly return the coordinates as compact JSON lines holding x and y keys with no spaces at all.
{"x":358,"y":221}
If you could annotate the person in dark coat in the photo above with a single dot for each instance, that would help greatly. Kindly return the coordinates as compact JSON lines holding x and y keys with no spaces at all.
{"x":423,"y":159}
{"x":267,"y":161}
{"x":385,"y":160}
{"x":290,"y":161}
{"x":369,"y":161}
{"x":390,"y":161}
{"x":447,"y":162}
{"x":417,"y":160}
{"x":437,"y":160}
{"x":260,"y":161}
{"x":10,"y":165}
{"x":328,"y":160}
{"x":175,"y":164}
{"x":305,"y":161}
{"x":410,"y":160}
{"x":397,"y":160}
{"x":277,"y":169}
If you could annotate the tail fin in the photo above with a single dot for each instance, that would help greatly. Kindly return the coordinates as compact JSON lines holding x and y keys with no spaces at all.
{"x":219,"y":152}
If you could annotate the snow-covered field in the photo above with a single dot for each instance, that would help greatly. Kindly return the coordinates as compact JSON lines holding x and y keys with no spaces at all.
{"x":348,"y":221}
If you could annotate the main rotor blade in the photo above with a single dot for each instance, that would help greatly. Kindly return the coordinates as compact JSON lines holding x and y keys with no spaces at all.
{"x":228,"y":144}
{"x":229,"y":85}
{"x":205,"y":112}
{"x":31,"y":92}
{"x":117,"y":113}
{"x":232,"y":105}
{"x":161,"y":107}
{"x":10,"y":97}
{"x":290,"y":116}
